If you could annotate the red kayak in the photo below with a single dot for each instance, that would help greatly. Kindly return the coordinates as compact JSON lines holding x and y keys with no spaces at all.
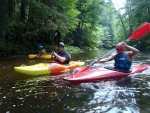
{"x":102,"y":73}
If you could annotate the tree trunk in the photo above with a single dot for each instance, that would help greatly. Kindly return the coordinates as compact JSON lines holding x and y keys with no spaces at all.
{"x":130,"y":16}
{"x":123,"y":25}
{"x":23,"y":10}
{"x":148,"y":11}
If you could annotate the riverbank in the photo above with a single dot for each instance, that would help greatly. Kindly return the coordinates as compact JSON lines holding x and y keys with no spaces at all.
{"x":33,"y":50}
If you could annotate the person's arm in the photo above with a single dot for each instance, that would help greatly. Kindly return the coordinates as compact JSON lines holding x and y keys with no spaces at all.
{"x":107,"y":59}
{"x":133,"y":51}
{"x":61,"y":59}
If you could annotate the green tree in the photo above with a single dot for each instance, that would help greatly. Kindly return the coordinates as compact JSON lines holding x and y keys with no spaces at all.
{"x":138,"y":12}
{"x":88,"y":22}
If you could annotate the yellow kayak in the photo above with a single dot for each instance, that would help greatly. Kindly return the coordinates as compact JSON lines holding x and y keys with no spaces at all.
{"x":45,"y":57}
{"x":47,"y":68}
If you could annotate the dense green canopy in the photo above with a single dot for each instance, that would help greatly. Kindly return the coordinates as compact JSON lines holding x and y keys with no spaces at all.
{"x":88,"y":24}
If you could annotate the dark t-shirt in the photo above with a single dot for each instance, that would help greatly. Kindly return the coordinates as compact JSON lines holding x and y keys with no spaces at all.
{"x":65,"y":54}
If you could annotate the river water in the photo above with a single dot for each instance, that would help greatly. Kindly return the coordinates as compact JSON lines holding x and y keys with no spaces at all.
{"x":50,"y":94}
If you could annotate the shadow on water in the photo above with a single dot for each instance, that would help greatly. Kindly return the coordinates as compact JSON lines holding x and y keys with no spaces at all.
{"x":50,"y":94}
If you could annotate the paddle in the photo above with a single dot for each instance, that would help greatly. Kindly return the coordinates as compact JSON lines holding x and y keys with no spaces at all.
{"x":140,"y":31}
{"x":57,"y":37}
{"x":137,"y":33}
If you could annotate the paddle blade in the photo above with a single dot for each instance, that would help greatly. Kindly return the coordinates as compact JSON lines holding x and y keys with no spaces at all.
{"x":57,"y":37}
{"x":140,"y":31}
{"x":32,"y":55}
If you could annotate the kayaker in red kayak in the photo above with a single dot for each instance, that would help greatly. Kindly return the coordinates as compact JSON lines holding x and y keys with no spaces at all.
{"x":123,"y":60}
{"x":63,"y":56}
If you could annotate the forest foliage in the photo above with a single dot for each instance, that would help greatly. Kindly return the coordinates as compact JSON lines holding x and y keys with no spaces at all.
{"x":88,"y":24}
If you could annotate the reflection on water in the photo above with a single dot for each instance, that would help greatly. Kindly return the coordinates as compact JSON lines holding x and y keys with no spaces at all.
{"x":111,"y":98}
{"x":50,"y":94}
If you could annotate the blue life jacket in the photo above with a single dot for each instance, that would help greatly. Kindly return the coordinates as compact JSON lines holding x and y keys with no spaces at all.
{"x":122,"y":62}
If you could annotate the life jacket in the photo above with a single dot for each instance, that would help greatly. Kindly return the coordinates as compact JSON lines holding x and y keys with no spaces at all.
{"x":122,"y":62}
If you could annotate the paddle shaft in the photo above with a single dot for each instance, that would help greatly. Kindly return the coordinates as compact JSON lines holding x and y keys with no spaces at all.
{"x":103,"y":56}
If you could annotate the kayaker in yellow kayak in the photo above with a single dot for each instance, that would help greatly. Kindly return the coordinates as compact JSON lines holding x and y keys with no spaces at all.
{"x":63,"y":56}
{"x":41,"y":51}
{"x":123,"y":60}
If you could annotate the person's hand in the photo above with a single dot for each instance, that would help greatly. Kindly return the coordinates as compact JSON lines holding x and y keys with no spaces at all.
{"x":96,"y":61}
{"x":53,"y":53}
{"x":37,"y":56}
{"x":122,"y":43}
